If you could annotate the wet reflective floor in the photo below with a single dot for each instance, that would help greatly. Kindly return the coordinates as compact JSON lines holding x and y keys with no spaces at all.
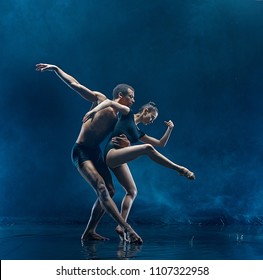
{"x":161,"y":242}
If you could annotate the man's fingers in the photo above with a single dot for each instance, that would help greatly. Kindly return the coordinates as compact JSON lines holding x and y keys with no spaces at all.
{"x":117,"y":140}
{"x":120,"y":141}
{"x":122,"y":136}
{"x":116,"y":144}
{"x":41,"y":68}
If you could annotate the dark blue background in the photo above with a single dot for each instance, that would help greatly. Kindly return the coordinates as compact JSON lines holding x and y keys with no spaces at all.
{"x":200,"y":60}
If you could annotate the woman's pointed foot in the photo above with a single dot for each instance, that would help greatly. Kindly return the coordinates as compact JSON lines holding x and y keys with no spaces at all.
{"x":133,"y":237}
{"x":187,"y":173}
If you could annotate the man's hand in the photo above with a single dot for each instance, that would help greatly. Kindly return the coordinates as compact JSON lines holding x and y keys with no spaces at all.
{"x":45,"y":67}
{"x":121,"y":141}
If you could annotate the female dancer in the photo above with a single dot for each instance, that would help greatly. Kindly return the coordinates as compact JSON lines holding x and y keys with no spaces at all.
{"x":117,"y":158}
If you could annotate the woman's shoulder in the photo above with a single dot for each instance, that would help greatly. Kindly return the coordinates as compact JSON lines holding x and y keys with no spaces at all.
{"x":127,"y":116}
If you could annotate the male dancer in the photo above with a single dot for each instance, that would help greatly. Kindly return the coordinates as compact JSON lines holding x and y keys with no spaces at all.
{"x":87,"y":156}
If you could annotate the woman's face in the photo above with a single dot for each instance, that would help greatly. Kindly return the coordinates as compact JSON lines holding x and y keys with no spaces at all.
{"x":149,"y":117}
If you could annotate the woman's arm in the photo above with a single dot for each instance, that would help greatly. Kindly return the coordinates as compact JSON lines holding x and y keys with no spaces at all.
{"x":159,"y":142}
{"x":86,"y":93}
{"x":107,"y":103}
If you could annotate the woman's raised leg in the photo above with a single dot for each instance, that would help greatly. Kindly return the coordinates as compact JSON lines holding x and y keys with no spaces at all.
{"x":116,"y":157}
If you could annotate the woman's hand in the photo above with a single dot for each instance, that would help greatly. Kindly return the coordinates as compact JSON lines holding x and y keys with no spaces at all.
{"x":88,"y":115}
{"x":169,"y":124}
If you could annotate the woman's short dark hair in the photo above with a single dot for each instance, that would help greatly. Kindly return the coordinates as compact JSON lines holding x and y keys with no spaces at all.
{"x":123,"y":88}
{"x":149,"y":106}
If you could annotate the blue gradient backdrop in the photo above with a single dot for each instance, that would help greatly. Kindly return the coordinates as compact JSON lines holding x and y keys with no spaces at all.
{"x":200,"y":60}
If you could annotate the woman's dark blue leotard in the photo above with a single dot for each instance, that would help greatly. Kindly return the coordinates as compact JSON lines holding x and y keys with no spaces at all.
{"x":125,"y":125}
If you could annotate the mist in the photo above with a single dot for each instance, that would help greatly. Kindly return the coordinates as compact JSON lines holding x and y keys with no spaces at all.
{"x":200,"y":61}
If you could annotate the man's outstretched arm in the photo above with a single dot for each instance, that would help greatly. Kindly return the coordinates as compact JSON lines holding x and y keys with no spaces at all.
{"x":86,"y":93}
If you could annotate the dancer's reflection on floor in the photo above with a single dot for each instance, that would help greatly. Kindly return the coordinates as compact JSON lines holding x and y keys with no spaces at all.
{"x":96,"y":250}
{"x":89,"y":249}
{"x":127,"y":251}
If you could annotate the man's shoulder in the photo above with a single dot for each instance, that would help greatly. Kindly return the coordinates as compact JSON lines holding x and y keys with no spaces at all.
{"x":100,"y":96}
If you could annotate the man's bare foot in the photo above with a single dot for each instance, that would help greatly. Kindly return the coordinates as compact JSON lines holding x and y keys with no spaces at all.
{"x":187,"y":173}
{"x":93,"y":236}
{"x":121,"y":233}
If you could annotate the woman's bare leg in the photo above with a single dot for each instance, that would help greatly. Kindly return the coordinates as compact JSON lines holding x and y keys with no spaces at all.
{"x":116,"y":157}
{"x":125,"y":178}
